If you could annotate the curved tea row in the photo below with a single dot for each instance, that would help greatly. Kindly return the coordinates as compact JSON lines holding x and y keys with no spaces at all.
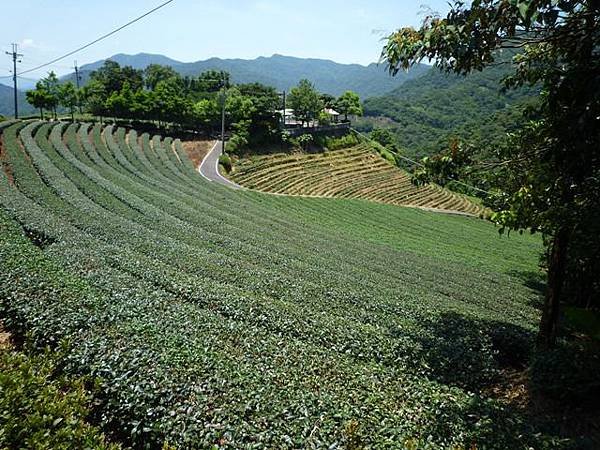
{"x":357,"y":172}
{"x":237,"y":319}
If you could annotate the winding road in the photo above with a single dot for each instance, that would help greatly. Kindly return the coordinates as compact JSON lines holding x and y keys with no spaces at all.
{"x":209,"y":167}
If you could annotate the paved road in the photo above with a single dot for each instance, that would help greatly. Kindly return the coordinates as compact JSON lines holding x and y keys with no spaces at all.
{"x":209,"y":168}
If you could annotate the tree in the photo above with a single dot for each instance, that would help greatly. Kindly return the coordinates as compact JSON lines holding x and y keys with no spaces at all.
{"x":51,"y":88}
{"x":39,"y":98}
{"x":170,"y":105}
{"x":206,"y":113}
{"x":155,"y":73}
{"x":211,"y":81}
{"x":385,"y":138}
{"x":121,"y":104}
{"x":68,"y":97}
{"x":264,"y":121}
{"x":111,"y":76}
{"x":94,"y":96}
{"x":328,"y":100}
{"x":548,"y":178}
{"x":305,"y":101}
{"x":349,"y":104}
{"x":324,"y":118}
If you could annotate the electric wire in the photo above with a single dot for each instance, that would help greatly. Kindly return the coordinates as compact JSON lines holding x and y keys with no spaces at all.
{"x":98,"y":39}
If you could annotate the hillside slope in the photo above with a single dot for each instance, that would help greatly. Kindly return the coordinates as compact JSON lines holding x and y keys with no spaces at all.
{"x":214,"y":317}
{"x":426,"y":111}
{"x":357,"y":172}
{"x":281,"y":72}
{"x":7,"y":102}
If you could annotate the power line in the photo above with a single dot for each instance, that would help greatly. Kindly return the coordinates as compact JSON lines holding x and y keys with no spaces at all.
{"x":418,"y":164}
{"x":99,"y":39}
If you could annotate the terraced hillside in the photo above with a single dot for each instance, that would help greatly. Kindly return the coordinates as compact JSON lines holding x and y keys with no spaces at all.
{"x":216,"y":318}
{"x":356,"y":172}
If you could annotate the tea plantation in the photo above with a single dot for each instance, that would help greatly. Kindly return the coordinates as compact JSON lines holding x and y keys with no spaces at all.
{"x":215,"y":318}
{"x":355,"y":172}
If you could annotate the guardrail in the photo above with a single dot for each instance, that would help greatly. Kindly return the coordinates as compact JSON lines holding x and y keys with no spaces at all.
{"x":336,"y":128}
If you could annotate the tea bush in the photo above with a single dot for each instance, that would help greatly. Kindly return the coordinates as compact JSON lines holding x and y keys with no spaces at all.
{"x":236,"y":319}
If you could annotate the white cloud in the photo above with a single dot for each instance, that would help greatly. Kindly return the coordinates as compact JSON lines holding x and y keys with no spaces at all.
{"x":28,"y":43}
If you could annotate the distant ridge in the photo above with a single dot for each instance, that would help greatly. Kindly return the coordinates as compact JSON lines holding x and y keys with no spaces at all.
{"x":279,"y":71}
{"x":282,"y":72}
{"x":7,"y":102}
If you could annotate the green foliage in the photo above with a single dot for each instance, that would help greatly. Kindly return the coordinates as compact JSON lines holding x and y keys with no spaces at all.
{"x":305,"y":101}
{"x":155,"y":73}
{"x":323,"y":118}
{"x":68,"y":96}
{"x":568,"y":374}
{"x":48,"y":94}
{"x":111,"y":77}
{"x":184,"y":102}
{"x":305,"y":140}
{"x":328,"y":100}
{"x":428,"y":113}
{"x":234,"y":318}
{"x":547,"y":177}
{"x":385,"y":138}
{"x":349,"y":104}
{"x":336,"y":143}
{"x":38,"y":99}
{"x":225,"y":161}
{"x":41,"y":409}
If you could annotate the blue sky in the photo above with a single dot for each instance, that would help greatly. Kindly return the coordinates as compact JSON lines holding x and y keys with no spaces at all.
{"x":346,"y":31}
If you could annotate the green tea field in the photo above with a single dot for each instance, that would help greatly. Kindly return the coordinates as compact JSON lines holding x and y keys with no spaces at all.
{"x":355,"y":172}
{"x":215,"y":318}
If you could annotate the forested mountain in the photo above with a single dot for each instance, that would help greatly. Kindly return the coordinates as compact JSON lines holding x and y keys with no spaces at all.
{"x":426,"y":111}
{"x":281,"y":72}
{"x":7,"y":102}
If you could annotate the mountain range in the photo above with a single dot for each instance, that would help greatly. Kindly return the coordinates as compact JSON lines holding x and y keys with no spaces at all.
{"x":281,"y":72}
{"x":7,"y":102}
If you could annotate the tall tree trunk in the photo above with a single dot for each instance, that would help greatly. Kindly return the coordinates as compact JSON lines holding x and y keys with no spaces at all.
{"x":41,"y":114}
{"x":556,"y":275}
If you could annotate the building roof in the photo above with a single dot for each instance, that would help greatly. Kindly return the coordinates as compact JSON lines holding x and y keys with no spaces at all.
{"x":331,"y":112}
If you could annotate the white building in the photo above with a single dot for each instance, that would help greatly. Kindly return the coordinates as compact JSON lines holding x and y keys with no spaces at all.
{"x":334,"y":116}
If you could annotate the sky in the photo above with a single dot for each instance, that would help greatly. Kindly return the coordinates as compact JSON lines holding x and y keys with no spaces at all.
{"x":345,"y":31}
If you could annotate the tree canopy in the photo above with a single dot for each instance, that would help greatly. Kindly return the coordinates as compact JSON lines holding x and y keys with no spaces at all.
{"x":547,"y":178}
{"x":305,"y":101}
{"x":349,"y":104}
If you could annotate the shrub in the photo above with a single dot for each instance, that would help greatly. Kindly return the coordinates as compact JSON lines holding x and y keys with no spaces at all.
{"x":225,"y":161}
{"x":40,"y":410}
{"x":305,"y":140}
{"x":348,"y":140}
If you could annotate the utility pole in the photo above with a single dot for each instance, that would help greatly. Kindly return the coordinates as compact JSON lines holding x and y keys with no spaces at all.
{"x":77,"y":78}
{"x":223,"y":98}
{"x":284,"y":110}
{"x":15,"y":57}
